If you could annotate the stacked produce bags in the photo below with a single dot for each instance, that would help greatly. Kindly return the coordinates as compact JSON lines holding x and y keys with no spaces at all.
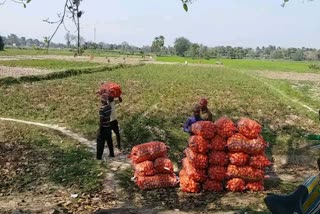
{"x":218,"y":157}
{"x":152,"y":168}
{"x":194,"y":173}
{"x":222,"y":154}
{"x":247,"y":157}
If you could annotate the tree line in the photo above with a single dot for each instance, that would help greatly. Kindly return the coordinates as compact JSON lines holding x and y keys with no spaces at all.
{"x":182,"y":47}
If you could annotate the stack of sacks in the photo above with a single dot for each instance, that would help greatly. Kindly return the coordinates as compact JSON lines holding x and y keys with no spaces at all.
{"x":247,"y":157}
{"x":111,"y":88}
{"x":152,"y":168}
{"x":218,"y":157}
{"x":194,"y":171}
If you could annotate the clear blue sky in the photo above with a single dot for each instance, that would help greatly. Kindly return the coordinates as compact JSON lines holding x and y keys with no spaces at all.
{"x":247,"y":23}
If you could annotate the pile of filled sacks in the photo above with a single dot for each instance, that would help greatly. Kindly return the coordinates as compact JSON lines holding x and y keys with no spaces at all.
{"x":222,"y":155}
{"x":247,"y":159}
{"x":152,"y":168}
{"x":194,"y":166}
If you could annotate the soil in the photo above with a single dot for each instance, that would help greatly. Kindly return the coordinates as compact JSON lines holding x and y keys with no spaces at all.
{"x":290,"y":76}
{"x":6,"y":71}
{"x":19,"y":71}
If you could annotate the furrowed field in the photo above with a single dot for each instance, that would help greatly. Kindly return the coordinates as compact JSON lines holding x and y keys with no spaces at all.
{"x":157,"y":99}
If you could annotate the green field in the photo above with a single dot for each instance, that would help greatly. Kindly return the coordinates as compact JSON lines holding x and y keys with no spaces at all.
{"x":64,"y":52}
{"x":157,"y":99}
{"x":34,"y":52}
{"x":159,"y":96}
{"x":248,"y":64}
{"x":50,"y":64}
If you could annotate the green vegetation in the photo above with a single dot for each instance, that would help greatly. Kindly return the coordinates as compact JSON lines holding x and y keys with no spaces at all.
{"x":42,"y":156}
{"x":249,"y":64}
{"x":159,"y":96}
{"x":49,"y":64}
{"x":56,"y":75}
{"x":157,"y":99}
{"x":63,"y":52}
{"x":34,"y":51}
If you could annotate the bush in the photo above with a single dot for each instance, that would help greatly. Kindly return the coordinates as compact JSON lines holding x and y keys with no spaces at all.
{"x":314,"y":66}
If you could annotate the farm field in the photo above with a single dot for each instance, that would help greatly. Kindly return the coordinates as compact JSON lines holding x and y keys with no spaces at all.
{"x":62,"y":52}
{"x":157,"y":99}
{"x":249,"y":64}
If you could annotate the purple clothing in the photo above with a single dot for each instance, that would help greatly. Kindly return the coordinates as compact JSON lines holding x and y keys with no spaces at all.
{"x":188,"y":124}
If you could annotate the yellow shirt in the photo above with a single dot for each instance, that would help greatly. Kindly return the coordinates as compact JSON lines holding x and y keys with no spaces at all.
{"x":206,"y":115}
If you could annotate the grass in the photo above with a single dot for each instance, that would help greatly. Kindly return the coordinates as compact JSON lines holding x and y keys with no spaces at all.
{"x":64,"y":52}
{"x":50,"y":64}
{"x":6,"y":81}
{"x":34,"y":52}
{"x":249,"y":64}
{"x":159,"y":96}
{"x":43,"y":156}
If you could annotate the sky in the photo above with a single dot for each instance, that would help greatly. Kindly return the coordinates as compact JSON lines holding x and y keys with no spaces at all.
{"x":246,"y":23}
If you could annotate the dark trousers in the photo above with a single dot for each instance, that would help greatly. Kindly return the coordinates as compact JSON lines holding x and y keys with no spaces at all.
{"x":104,"y":134}
{"x":115,"y":128}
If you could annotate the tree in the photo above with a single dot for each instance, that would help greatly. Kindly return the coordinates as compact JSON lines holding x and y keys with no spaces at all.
{"x":70,"y":7}
{"x":157,"y":44}
{"x":13,"y":39}
{"x":1,"y":44}
{"x":181,"y":45}
{"x":195,"y":50}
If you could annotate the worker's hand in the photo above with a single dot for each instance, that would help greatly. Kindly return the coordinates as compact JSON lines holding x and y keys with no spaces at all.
{"x":120,"y":99}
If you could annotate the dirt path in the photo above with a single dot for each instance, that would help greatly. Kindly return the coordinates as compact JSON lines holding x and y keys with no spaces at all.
{"x":120,"y":162}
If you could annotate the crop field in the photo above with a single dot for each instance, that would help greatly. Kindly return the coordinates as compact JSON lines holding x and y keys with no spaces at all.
{"x":48,"y":64}
{"x":63,"y":52}
{"x":157,"y":99}
{"x":248,"y":64}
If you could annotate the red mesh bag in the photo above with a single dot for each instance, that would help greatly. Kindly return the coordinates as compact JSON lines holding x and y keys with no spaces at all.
{"x":245,"y":172}
{"x":163,"y":166}
{"x":205,"y":129}
{"x":239,"y":158}
{"x":236,"y":185}
{"x":256,"y":146}
{"x":143,"y":169}
{"x":187,"y":184}
{"x":259,"y":161}
{"x":217,"y":173}
{"x":218,"y":143}
{"x":148,"y":151}
{"x":198,"y":144}
{"x":218,"y":158}
{"x":198,"y":161}
{"x":157,"y":181}
{"x":249,"y":128}
{"x":225,"y":127}
{"x":238,"y":143}
{"x":111,"y":88}
{"x":255,"y":186}
{"x":213,"y":186}
{"x":198,"y":175}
